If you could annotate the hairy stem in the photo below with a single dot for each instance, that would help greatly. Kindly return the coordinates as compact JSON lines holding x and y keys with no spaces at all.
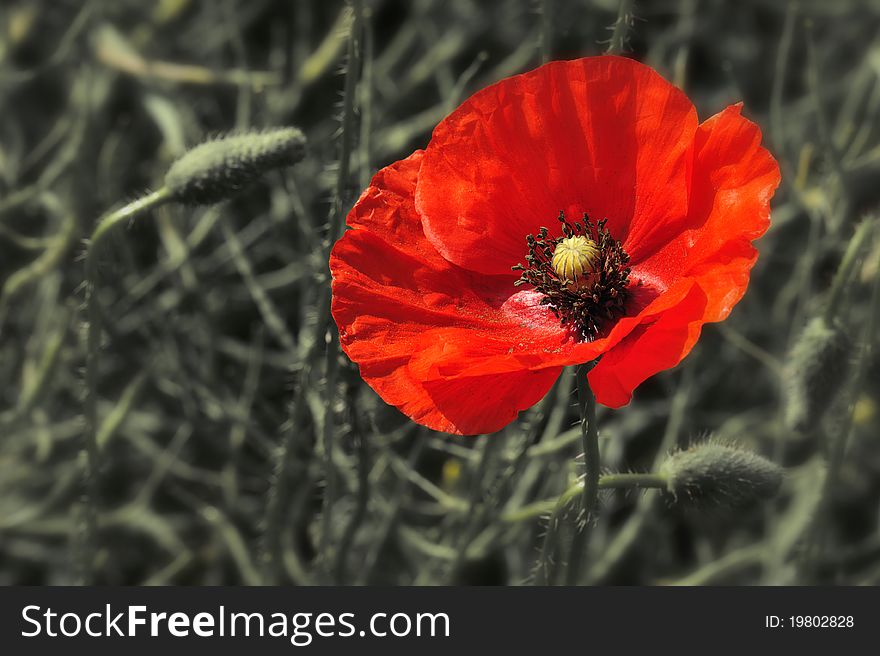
{"x":844,"y":271}
{"x":337,"y":224}
{"x":546,"y":30}
{"x":363,"y":497}
{"x":837,"y":450}
{"x":621,"y":25}
{"x":91,"y":450}
{"x":606,"y":482}
{"x":590,"y":437}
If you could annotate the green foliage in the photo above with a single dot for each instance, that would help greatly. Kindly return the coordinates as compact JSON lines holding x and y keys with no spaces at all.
{"x":236,"y":444}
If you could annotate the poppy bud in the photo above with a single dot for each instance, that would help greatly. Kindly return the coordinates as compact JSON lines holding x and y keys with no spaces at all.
{"x":712,"y":474}
{"x":218,"y":169}
{"x":816,"y":367}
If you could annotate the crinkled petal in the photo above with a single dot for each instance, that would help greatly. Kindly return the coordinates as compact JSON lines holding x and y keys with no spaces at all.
{"x":650,"y":348}
{"x":603,"y":135}
{"x":427,"y":334}
{"x":734,"y":179}
{"x":405,"y":314}
{"x":448,"y":339}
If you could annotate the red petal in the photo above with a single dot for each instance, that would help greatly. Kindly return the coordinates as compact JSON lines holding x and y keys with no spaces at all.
{"x":430,"y":337}
{"x":650,"y":348}
{"x":456,"y":350}
{"x":406,"y":316}
{"x":605,"y":135}
{"x":734,"y":179}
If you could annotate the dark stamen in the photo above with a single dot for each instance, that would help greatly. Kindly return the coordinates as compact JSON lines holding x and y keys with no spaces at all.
{"x":590,"y":309}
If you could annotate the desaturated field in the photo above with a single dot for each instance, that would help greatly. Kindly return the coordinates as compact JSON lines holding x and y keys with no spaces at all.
{"x":186,"y":416}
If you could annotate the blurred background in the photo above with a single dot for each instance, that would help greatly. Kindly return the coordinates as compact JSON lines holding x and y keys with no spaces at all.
{"x":226,"y":457}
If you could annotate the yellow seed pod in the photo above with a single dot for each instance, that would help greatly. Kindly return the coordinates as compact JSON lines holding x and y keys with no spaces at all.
{"x":575,"y":260}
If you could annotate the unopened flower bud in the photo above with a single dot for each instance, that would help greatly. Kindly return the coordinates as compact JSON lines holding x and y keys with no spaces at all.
{"x":713,"y":474}
{"x":217,"y":170}
{"x":815,"y":370}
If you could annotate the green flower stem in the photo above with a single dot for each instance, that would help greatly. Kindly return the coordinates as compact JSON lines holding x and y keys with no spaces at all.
{"x":546,"y":40}
{"x":590,"y":436}
{"x":621,"y":25}
{"x":337,"y":227}
{"x":547,"y":570}
{"x":633,"y":481}
{"x":844,"y":271}
{"x":361,"y":504}
{"x":837,"y":450}
{"x":278,"y":497}
{"x":129,"y":212}
{"x":607,"y":482}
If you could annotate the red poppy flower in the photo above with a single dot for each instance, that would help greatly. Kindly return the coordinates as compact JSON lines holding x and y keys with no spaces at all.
{"x":656,"y":213}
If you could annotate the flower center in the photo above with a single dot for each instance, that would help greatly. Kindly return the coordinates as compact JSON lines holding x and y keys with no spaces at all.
{"x":583,"y":275}
{"x":574,"y":260}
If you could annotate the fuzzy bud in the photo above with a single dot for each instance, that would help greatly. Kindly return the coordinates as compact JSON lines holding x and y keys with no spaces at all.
{"x":816,"y":368}
{"x":217,"y":170}
{"x":713,"y":474}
